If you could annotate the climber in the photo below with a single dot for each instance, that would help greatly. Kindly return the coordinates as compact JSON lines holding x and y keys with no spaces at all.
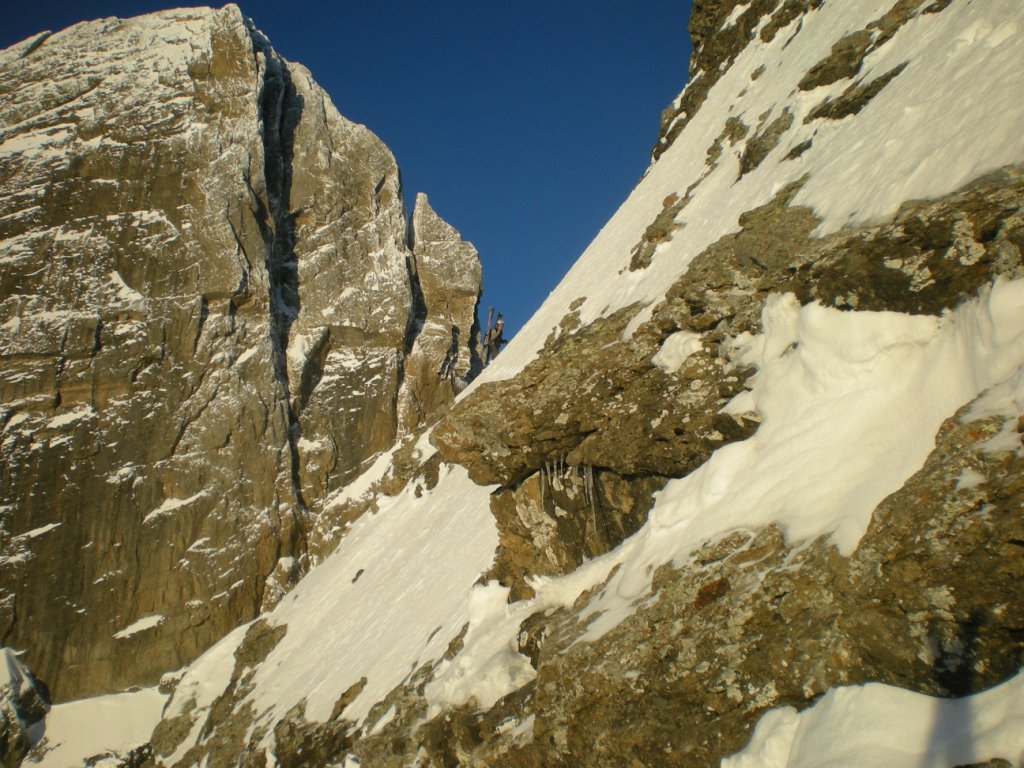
{"x":493,"y":341}
{"x":447,"y":369}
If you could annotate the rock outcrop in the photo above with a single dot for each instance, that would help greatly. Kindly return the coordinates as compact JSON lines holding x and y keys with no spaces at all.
{"x":205,"y":309}
{"x":445,"y":356}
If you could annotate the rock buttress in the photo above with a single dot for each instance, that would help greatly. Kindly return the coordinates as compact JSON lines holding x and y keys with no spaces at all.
{"x":445,"y":353}
{"x":203,"y":316}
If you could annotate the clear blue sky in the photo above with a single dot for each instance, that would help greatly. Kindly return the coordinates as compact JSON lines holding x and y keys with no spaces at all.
{"x":527,"y":123}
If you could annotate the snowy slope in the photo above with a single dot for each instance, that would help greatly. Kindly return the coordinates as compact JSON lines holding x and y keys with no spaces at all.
{"x":104,"y":728}
{"x":389,"y":599}
{"x":929,"y":132}
{"x":828,"y":451}
{"x":878,"y":724}
{"x":850,"y":405}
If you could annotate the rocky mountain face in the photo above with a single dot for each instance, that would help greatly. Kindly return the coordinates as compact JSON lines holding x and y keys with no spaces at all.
{"x":212,"y":313}
{"x":448,"y":276}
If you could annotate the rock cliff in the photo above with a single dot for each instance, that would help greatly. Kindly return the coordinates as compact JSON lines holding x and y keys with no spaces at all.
{"x":447,"y":272}
{"x":207,"y":300}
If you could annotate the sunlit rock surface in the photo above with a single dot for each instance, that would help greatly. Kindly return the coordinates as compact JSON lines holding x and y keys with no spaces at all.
{"x":205,"y":305}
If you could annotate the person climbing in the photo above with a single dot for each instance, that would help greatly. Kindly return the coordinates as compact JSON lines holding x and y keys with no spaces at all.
{"x":447,"y":369}
{"x":493,"y":341}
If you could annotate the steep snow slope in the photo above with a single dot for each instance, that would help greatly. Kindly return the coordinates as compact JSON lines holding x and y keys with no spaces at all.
{"x":880,"y":725}
{"x":101,"y":729}
{"x":850,"y":404}
{"x":949,"y":116}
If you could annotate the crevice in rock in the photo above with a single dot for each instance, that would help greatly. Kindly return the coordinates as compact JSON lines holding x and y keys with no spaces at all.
{"x":34,"y":46}
{"x":12,"y":618}
{"x":418,"y":311}
{"x":204,"y":313}
{"x":280,"y":109}
{"x":192,"y":419}
{"x":312,"y":372}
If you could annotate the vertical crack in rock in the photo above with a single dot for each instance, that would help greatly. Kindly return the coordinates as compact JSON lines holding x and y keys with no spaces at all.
{"x":280,"y":112}
{"x":418,"y":310}
{"x":440,"y":355}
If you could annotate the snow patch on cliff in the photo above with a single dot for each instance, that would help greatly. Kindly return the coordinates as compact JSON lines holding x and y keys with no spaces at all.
{"x":676,"y":350}
{"x":142,"y":625}
{"x":388,"y":600}
{"x":102,"y":727}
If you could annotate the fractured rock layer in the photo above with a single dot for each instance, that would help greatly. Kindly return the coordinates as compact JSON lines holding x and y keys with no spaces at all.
{"x":447,"y":273}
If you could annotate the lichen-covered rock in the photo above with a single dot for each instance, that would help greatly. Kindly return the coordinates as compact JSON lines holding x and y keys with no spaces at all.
{"x":929,"y":601}
{"x":595,"y":408}
{"x":722,"y":29}
{"x":204,"y":310}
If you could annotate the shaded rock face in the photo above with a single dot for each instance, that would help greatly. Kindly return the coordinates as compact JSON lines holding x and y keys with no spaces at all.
{"x":24,"y":701}
{"x":205,"y":305}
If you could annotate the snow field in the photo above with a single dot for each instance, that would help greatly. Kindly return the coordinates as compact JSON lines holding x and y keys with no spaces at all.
{"x":104,"y":724}
{"x":877,"y":724}
{"x":389,"y":599}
